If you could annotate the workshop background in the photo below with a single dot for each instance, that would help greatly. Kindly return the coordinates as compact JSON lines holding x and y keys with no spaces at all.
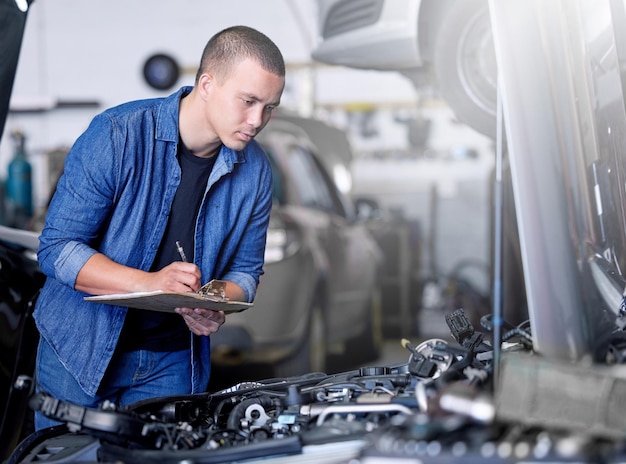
{"x":79,"y":58}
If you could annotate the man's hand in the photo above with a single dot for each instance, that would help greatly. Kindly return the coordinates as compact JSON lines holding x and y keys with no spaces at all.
{"x":176,"y":277}
{"x":202,"y":321}
{"x":101,"y":276}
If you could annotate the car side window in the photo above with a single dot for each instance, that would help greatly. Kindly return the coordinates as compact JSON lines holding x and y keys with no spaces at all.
{"x":310,"y":181}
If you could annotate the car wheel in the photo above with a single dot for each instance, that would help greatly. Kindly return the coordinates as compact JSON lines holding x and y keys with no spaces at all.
{"x":465,"y":64}
{"x":311,"y":355}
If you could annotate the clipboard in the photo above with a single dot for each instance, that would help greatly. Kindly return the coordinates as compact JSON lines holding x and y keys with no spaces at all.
{"x":168,"y":301}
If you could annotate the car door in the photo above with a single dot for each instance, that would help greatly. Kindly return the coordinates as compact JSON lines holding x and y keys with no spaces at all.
{"x":346,"y":246}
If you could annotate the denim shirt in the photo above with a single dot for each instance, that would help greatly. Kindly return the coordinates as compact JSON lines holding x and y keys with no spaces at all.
{"x":114,"y":197}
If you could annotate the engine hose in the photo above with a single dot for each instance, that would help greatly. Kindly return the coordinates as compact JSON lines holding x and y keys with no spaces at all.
{"x":239,"y":411}
{"x":524,"y":335}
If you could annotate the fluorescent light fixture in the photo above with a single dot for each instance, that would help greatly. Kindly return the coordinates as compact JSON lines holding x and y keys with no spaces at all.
{"x":22,"y":5}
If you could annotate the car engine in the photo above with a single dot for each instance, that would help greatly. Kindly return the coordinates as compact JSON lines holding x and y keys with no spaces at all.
{"x":442,"y":405}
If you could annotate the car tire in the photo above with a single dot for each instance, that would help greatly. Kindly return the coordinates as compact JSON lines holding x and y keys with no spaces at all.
{"x":465,"y":65}
{"x":311,"y":355}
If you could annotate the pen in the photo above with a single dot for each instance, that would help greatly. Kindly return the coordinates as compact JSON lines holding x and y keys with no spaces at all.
{"x":181,"y":252}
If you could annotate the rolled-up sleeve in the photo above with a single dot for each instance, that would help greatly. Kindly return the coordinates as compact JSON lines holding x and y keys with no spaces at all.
{"x":80,"y":204}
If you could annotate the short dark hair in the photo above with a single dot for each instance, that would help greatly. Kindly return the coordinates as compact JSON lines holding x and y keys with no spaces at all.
{"x":233,"y":44}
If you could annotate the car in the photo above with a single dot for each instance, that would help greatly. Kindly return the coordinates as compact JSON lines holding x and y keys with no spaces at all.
{"x":443,"y":45}
{"x":20,"y":281}
{"x":20,"y":277}
{"x":320,"y":293}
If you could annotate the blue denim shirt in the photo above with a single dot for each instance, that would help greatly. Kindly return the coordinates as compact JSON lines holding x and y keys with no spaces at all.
{"x":114,"y":197}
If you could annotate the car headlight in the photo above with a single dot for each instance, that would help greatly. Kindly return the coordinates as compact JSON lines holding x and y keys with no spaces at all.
{"x":282,"y":241}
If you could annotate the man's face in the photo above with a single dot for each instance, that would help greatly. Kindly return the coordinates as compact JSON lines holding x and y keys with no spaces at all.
{"x":240,"y":105}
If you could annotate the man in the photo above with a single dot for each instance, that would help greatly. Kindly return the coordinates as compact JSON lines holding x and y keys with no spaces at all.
{"x":144,"y":176}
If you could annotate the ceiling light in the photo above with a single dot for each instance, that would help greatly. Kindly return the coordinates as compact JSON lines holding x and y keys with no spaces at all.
{"x":22,"y":5}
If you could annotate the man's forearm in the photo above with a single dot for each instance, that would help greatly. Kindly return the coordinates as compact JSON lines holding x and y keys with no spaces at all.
{"x":234,"y":292}
{"x":101,"y":276}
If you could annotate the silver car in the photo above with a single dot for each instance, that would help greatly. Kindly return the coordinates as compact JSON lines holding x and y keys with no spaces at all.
{"x":319,"y":294}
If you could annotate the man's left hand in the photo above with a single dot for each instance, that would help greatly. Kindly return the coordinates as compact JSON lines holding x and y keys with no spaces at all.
{"x":202,"y":321}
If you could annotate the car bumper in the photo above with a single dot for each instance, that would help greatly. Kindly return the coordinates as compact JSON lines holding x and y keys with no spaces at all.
{"x":389,"y":43}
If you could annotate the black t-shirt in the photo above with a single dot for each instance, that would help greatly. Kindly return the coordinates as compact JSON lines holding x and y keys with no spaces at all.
{"x":157,"y":331}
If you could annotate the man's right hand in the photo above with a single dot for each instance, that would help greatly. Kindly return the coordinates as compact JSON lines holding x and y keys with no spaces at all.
{"x":177,"y":277}
{"x":102,"y":276}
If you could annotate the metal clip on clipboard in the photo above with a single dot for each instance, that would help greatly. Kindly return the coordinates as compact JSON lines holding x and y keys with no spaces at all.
{"x":216,"y":288}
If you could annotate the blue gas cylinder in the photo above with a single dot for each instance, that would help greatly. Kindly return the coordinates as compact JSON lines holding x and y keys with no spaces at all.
{"x":19,"y":184}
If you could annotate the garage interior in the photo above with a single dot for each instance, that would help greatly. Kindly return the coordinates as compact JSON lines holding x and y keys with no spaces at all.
{"x":448,"y":176}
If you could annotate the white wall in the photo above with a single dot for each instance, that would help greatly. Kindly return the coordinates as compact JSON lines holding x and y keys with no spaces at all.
{"x":95,"y":49}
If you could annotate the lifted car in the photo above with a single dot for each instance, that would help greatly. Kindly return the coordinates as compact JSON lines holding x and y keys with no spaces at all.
{"x":445,"y":45}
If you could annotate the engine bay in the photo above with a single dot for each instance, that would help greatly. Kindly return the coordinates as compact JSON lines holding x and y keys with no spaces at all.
{"x":447,"y":402}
